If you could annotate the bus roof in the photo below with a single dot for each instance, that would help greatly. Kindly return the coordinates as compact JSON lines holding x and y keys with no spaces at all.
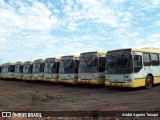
{"x":9,"y":63}
{"x":39,"y":60}
{"x":28,"y":62}
{"x":53,"y":58}
{"x":144,"y":49}
{"x":70,"y":56}
{"x":18,"y":62}
{"x":100,"y":52}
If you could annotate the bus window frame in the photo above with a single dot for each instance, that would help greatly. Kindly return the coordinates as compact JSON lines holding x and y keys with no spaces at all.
{"x":138,"y":66}
{"x":144,"y":59}
{"x":157,"y":59}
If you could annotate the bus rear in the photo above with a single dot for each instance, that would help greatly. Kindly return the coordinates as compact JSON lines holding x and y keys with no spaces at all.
{"x":92,"y":68}
{"x":51,"y":69}
{"x":68,"y":69}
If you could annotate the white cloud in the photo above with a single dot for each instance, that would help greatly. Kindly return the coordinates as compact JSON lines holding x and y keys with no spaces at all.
{"x":35,"y":29}
{"x":154,"y":37}
{"x":25,"y":27}
{"x":35,"y":17}
{"x":156,"y":23}
{"x":9,"y":19}
{"x":148,"y":5}
{"x":155,"y":2}
{"x":118,"y":1}
{"x":91,"y":10}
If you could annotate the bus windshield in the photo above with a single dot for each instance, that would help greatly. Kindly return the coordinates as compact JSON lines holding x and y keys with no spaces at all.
{"x":38,"y":67}
{"x":4,"y":69}
{"x":66,"y":65}
{"x":50,"y":66}
{"x":18,"y":68}
{"x":88,"y":62}
{"x":119,"y":64}
{"x":27,"y":68}
{"x":11,"y":68}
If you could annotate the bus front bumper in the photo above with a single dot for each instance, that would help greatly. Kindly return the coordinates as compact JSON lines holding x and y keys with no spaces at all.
{"x":72,"y":81}
{"x":37,"y":78}
{"x":118,"y":84}
{"x":51,"y":79}
{"x":91,"y":81}
{"x":19,"y":78}
{"x":10,"y":76}
{"x":26,"y":78}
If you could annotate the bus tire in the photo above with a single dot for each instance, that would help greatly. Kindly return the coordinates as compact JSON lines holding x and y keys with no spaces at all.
{"x":149,"y":82}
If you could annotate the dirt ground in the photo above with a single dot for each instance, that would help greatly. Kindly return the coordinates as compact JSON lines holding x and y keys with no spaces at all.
{"x":39,"y":96}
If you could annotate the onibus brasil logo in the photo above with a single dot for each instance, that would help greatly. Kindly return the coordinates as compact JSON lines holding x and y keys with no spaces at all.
{"x":21,"y":114}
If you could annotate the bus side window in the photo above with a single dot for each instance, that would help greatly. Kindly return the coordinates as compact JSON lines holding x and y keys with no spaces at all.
{"x":146,"y":59}
{"x":154,"y":59}
{"x":137,"y":63}
{"x":102,"y":61}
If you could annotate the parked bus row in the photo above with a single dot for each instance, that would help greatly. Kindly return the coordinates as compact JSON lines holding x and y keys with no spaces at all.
{"x":131,"y":67}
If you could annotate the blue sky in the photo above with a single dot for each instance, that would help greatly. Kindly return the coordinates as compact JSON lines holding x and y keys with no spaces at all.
{"x":33,"y":29}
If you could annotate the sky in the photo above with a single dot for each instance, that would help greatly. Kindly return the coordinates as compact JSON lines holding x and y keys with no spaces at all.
{"x":33,"y":29}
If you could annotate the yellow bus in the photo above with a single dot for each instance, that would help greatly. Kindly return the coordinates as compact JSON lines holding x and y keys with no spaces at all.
{"x":92,"y":67}
{"x":27,"y":70}
{"x":8,"y":70}
{"x":38,"y":69}
{"x":68,"y":69}
{"x":133,"y":67}
{"x":18,"y":70}
{"x":51,"y":69}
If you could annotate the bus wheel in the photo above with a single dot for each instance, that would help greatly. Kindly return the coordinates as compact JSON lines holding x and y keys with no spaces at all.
{"x":149,"y":82}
